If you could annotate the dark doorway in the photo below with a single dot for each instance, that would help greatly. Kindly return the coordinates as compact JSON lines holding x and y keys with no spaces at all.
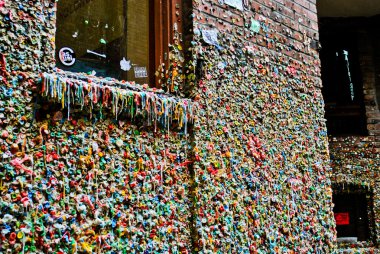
{"x":351,"y":213}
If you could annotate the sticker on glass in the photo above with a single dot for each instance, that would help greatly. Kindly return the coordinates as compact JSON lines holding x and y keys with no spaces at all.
{"x":96,"y":53}
{"x":125,"y":65}
{"x":140,"y":72}
{"x":67,"y":56}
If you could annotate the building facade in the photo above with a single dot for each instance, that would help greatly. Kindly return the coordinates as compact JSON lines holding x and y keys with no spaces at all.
{"x":223,"y":149}
{"x":352,"y":116}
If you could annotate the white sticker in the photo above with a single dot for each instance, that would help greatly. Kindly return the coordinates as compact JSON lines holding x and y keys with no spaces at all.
{"x":140,"y":72}
{"x":238,"y":4}
{"x":96,"y":53}
{"x":67,"y":56}
{"x":210,"y":36}
{"x":125,"y":65}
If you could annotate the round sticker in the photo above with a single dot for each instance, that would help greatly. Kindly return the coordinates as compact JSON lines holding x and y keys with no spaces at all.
{"x":67,"y":56}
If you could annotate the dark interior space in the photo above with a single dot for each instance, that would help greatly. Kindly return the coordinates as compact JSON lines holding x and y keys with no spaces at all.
{"x":341,"y":77}
{"x":351,"y":213}
{"x":104,"y":37}
{"x":375,"y":35}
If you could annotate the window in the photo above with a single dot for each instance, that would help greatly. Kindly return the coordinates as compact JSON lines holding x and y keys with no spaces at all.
{"x":341,"y":79}
{"x":352,"y":210}
{"x":375,"y":33}
{"x":122,"y":39}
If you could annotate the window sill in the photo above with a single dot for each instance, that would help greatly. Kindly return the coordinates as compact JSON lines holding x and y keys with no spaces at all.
{"x":357,"y":245}
{"x":349,"y":138}
{"x":123,"y":99}
{"x":128,"y":85}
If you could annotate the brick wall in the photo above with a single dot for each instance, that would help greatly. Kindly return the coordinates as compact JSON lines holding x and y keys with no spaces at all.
{"x":260,"y":138}
{"x":252,"y":176}
{"x":355,"y":160}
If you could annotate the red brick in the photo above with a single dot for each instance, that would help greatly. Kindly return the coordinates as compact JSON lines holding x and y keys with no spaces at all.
{"x":303,"y":3}
{"x":313,"y":7}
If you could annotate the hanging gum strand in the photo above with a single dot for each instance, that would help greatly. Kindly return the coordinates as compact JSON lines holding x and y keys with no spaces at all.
{"x":170,"y":108}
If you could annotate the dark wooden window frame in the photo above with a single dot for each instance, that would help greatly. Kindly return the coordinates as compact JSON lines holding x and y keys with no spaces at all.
{"x":165,"y":14}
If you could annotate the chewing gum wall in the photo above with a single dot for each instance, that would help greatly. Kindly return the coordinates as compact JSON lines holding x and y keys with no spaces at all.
{"x":230,"y":157}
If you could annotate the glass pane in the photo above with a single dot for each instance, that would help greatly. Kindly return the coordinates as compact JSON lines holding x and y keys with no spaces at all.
{"x":110,"y":37}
